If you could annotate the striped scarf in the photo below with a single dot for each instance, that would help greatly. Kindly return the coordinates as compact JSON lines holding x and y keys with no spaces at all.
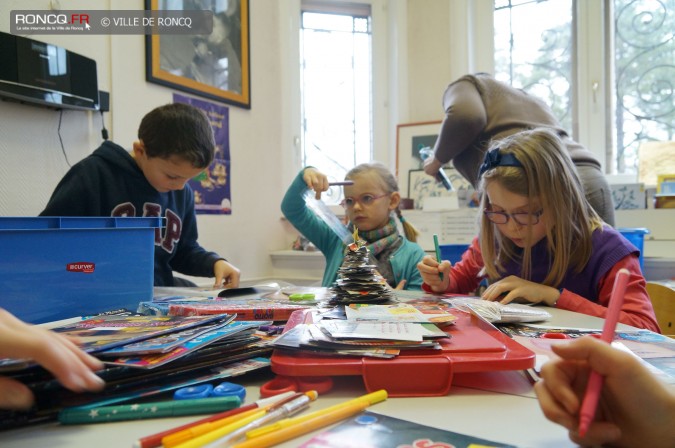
{"x":379,"y":239}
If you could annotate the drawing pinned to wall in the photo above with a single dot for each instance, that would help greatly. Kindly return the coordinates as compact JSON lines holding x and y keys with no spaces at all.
{"x":628,"y":196}
{"x":212,"y":186}
{"x":421,"y":185}
{"x":410,"y":138}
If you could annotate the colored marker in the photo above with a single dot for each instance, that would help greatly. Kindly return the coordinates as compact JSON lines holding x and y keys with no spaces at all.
{"x":595,"y":380}
{"x":283,"y":411}
{"x":138,"y":411}
{"x":155,"y":440}
{"x":311,"y":422}
{"x":222,"y":431}
{"x":368,"y":399}
{"x":176,"y":439}
{"x":438,"y":254}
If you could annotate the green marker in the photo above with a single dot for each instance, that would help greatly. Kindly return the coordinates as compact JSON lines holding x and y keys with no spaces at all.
{"x":438,"y":253}
{"x":298,"y":297}
{"x":140,"y":411}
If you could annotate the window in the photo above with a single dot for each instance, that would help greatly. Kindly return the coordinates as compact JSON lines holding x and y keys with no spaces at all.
{"x":644,"y":76}
{"x":536,"y":48}
{"x":537,"y":55}
{"x":335,"y":85}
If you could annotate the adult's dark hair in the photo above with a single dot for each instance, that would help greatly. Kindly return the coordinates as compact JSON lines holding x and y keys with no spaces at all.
{"x":178,"y":130}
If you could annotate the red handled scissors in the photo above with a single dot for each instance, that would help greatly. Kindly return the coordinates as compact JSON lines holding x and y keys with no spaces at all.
{"x":555,"y":336}
{"x":282,"y":384}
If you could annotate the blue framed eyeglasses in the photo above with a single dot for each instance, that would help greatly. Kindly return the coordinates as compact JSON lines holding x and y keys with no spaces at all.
{"x":364,"y":200}
{"x":522,"y":218}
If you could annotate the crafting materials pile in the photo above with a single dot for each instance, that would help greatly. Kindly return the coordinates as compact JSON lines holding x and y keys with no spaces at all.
{"x":359,"y":281}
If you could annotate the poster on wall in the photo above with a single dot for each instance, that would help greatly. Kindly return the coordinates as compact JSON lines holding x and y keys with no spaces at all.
{"x":212,"y":186}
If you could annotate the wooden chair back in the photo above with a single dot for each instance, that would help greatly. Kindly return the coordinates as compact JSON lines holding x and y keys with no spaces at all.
{"x":663,"y":301}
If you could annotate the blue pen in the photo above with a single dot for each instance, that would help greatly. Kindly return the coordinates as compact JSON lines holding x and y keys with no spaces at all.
{"x":438,"y":254}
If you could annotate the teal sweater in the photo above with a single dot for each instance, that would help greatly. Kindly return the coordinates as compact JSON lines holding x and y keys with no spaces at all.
{"x":403,"y":261}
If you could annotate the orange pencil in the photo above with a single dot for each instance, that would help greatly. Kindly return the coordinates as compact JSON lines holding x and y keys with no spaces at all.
{"x":309,"y":425}
{"x":155,"y":440}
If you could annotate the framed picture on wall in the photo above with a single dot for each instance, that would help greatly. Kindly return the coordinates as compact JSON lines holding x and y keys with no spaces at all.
{"x":421,"y":185}
{"x":214,"y":66}
{"x":410,"y":138}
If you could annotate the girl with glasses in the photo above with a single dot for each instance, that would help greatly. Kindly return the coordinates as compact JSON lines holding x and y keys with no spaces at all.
{"x":370,"y":204}
{"x":540,"y":240}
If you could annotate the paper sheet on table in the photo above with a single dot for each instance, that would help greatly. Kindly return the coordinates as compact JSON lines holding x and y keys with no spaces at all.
{"x":495,"y":312}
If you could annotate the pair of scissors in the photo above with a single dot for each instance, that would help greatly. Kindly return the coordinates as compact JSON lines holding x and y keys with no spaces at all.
{"x":207,"y":390}
{"x":282,"y":384}
{"x":555,"y":336}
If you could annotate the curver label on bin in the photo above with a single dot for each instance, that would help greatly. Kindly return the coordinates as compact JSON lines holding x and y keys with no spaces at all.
{"x":81,"y":266}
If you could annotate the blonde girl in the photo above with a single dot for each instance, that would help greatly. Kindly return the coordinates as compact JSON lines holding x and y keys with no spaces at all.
{"x":370,"y":204}
{"x":540,"y":241}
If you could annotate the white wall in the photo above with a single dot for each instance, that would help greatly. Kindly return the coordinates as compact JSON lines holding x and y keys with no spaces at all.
{"x":263,"y":143}
{"x":420,"y":47}
{"x":32,"y":161}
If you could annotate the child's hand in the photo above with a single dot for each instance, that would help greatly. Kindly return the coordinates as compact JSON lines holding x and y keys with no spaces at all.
{"x":226,"y":275}
{"x":510,"y":288}
{"x":55,"y":352}
{"x":430,"y":268}
{"x":315,"y":180}
{"x":635,"y":408}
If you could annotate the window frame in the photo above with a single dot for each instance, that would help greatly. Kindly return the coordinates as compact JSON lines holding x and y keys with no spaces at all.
{"x":291,"y":135}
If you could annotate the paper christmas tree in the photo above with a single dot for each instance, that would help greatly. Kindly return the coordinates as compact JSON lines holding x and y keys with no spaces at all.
{"x":359,"y":281}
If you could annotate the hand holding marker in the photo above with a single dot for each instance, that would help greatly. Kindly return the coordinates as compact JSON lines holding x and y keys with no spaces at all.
{"x":441,"y":177}
{"x":438,"y":254}
{"x":595,"y":380}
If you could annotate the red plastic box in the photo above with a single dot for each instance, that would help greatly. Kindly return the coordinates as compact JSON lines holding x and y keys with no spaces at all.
{"x":474,"y":346}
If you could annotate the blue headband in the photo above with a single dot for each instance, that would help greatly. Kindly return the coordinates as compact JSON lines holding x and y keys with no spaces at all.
{"x":494,"y":158}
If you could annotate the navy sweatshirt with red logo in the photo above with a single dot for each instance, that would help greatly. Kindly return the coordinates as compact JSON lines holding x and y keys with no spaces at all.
{"x":109,"y":183}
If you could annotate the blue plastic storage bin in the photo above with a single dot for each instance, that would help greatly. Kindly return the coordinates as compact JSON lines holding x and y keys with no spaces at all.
{"x":636,"y":235}
{"x":54,"y":268}
{"x":452,"y":252}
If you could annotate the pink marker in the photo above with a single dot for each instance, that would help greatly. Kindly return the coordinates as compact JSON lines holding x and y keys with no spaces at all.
{"x":595,"y":380}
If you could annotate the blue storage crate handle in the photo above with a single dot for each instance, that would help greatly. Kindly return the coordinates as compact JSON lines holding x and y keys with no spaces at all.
{"x":78,"y":222}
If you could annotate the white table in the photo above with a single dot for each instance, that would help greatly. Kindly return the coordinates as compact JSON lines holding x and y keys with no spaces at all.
{"x":499,"y":406}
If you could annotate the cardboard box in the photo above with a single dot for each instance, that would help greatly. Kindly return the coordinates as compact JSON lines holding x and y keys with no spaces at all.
{"x":54,"y":268}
